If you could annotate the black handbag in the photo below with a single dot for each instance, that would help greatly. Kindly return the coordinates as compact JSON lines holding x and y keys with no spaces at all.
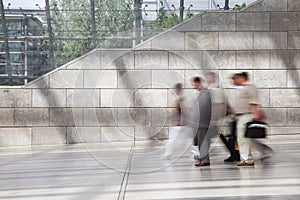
{"x":256,"y":129}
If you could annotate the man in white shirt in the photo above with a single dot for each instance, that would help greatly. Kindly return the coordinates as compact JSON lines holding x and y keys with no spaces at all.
{"x":246,"y":109}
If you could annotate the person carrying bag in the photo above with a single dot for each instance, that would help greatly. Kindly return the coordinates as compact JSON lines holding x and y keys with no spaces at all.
{"x":246,"y":110}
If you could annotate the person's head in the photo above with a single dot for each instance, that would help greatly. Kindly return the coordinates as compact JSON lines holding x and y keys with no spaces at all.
{"x":210,"y":77}
{"x":197,"y":82}
{"x":240,"y":78}
{"x":178,"y":88}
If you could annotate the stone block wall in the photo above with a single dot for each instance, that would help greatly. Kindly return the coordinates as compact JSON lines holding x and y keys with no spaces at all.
{"x":126,"y":95}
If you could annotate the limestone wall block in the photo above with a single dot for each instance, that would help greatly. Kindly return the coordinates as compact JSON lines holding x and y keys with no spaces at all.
{"x":49,"y":98}
{"x":284,"y":98}
{"x":293,"y":5}
{"x":253,"y":60}
{"x":214,"y":21}
{"x":132,"y":79}
{"x":83,"y":135}
{"x":235,"y":41}
{"x":293,"y":116}
{"x":167,"y":78}
{"x":294,"y":39}
{"x":151,"y":59}
{"x":66,"y":79}
{"x":270,"y":78}
{"x":100,"y":78}
{"x":15,"y":98}
{"x":49,"y":135}
{"x":31,"y":116}
{"x":171,"y":40}
{"x":15,"y":137}
{"x":270,"y":40}
{"x":185,"y":59}
{"x":150,"y":98}
{"x":66,"y":117}
{"x":83,"y":98}
{"x":201,"y":41}
{"x":285,"y":21}
{"x":7,"y":117}
{"x":117,"y":134}
{"x":258,"y":21}
{"x":117,"y":97}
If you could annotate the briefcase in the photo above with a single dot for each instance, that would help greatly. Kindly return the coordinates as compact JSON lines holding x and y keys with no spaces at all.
{"x":256,"y":129}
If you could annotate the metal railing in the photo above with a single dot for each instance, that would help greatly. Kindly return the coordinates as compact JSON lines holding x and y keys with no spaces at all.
{"x":46,"y":38}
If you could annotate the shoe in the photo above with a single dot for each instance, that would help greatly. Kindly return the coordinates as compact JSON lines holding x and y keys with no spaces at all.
{"x":202,"y":164}
{"x":245,"y":164}
{"x":230,"y":159}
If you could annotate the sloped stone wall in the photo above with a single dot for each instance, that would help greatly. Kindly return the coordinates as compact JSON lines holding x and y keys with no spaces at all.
{"x":126,"y":95}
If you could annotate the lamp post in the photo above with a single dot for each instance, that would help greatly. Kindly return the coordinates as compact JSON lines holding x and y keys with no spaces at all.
{"x":226,"y":7}
{"x":181,"y":9}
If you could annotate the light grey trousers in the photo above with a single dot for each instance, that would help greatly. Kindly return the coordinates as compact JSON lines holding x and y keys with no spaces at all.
{"x":246,"y":143}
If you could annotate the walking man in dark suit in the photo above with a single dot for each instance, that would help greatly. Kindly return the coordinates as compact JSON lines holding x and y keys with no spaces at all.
{"x":201,"y":116}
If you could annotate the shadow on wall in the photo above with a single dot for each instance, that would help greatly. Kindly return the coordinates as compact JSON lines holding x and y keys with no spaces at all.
{"x":290,"y":59}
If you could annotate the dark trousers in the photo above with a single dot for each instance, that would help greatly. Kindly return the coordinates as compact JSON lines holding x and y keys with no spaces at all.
{"x":230,"y":142}
{"x":204,"y":139}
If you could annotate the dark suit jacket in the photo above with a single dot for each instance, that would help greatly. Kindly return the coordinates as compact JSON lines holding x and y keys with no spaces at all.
{"x":201,"y":111}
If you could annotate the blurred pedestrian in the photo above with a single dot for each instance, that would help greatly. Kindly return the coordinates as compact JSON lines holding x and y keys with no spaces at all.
{"x":220,"y":108}
{"x":201,"y":118}
{"x":231,"y":142}
{"x":246,"y":109}
{"x":177,"y":134}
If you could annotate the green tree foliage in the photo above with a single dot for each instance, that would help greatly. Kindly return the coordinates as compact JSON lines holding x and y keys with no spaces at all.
{"x":162,"y":15}
{"x":189,"y":15}
{"x":239,"y":7}
{"x":74,"y":18}
{"x":165,"y":20}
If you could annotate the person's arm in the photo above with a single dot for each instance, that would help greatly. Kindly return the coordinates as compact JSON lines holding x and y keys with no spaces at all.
{"x":254,"y":109}
{"x":253,"y":101}
{"x":183,"y":108}
{"x":229,"y":108}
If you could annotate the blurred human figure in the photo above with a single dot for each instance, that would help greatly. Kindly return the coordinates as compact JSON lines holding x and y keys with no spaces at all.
{"x":231,"y":143}
{"x":180,"y":112}
{"x":219,"y":110}
{"x":195,"y":146}
{"x":217,"y":99}
{"x":177,"y":132}
{"x":246,"y":109}
{"x":201,"y":117}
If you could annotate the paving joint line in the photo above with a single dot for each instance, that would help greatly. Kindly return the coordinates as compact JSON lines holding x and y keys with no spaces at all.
{"x":125,"y":179}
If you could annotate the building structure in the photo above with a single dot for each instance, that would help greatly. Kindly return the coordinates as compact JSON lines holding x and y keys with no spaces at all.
{"x":28,"y":57}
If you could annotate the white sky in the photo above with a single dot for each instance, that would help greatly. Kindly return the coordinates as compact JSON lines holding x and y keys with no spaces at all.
{"x":25,"y":4}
